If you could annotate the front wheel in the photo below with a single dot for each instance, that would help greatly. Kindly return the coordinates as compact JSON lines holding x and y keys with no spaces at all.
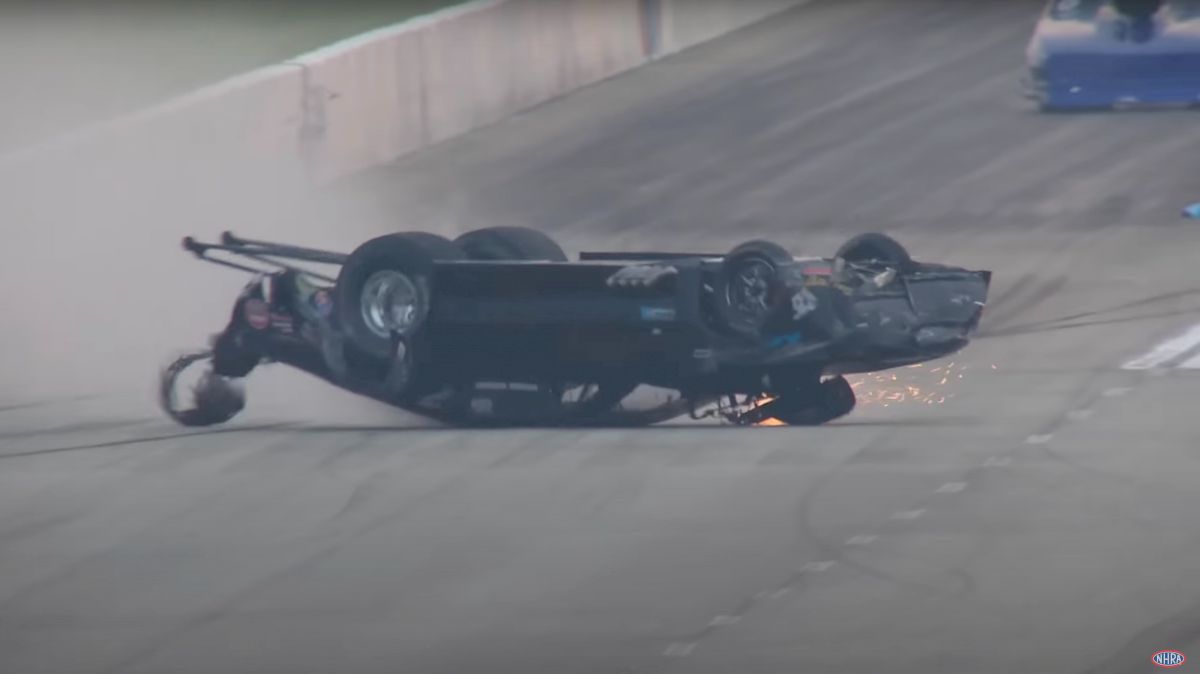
{"x":214,"y":399}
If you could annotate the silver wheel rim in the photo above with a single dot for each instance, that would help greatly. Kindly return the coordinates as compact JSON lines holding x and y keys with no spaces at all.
{"x":390,"y":303}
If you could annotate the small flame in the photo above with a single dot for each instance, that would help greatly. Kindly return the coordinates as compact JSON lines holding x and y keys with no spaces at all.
{"x":768,"y":421}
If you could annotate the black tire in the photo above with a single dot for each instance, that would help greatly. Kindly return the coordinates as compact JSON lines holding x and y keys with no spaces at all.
{"x":215,"y":400}
{"x":438,"y":246}
{"x":510,"y":243}
{"x":834,"y":398}
{"x":763,"y":259}
{"x":877,"y":247}
{"x":406,"y":257}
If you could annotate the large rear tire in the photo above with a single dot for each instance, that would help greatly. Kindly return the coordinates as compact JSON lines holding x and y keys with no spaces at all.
{"x":510,"y":243}
{"x":385,"y":288}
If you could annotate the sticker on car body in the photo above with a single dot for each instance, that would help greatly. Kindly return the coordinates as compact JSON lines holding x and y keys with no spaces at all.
{"x":803,"y":303}
{"x":658,"y":314}
{"x":781,"y":341}
{"x":282,"y":322}
{"x":323,"y":303}
{"x":257,"y":314}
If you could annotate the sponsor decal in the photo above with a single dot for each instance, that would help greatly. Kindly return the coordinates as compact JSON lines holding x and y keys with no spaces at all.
{"x":781,"y":341}
{"x":658,"y":314}
{"x":1168,"y":659}
{"x":257,"y":314}
{"x":323,"y":303}
{"x":803,"y":303}
{"x":282,"y":323}
{"x":640,"y":275}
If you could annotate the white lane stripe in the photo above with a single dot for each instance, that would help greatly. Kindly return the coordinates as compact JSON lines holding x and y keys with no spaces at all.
{"x":1166,"y":350}
{"x":1192,"y":363}
{"x":1080,"y":415}
{"x":1038,"y":439}
{"x":680,"y":650}
{"x":996,"y":461}
{"x":861,"y":539}
{"x":908,"y":514}
{"x":817,"y":567}
{"x":951,"y":488}
{"x":723,"y":620}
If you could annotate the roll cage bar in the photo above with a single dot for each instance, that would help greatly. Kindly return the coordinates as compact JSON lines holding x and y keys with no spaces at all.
{"x":281,"y":255}
{"x":265,"y":253}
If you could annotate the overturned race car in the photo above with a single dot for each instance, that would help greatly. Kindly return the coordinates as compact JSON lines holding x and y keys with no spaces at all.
{"x":497,"y":327}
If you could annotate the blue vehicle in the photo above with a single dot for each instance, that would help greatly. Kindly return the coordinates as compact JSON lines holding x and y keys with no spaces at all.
{"x":1105,"y":54}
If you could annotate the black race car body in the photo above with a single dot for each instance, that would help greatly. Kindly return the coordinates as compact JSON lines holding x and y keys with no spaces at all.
{"x":471,"y":334}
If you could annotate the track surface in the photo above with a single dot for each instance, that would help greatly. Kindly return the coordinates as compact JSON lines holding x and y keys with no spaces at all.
{"x":1040,"y":519}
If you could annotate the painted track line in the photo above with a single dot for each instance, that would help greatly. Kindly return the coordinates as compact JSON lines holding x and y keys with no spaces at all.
{"x":1167,"y":350}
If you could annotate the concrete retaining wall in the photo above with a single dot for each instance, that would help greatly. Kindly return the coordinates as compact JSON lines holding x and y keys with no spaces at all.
{"x":423,"y":82}
{"x":376,"y":97}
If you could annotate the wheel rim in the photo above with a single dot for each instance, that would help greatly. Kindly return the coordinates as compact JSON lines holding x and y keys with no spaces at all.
{"x":390,"y":303}
{"x":748,"y":291}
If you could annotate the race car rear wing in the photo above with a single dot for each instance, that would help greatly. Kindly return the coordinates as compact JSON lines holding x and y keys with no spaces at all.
{"x":263,"y":252}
